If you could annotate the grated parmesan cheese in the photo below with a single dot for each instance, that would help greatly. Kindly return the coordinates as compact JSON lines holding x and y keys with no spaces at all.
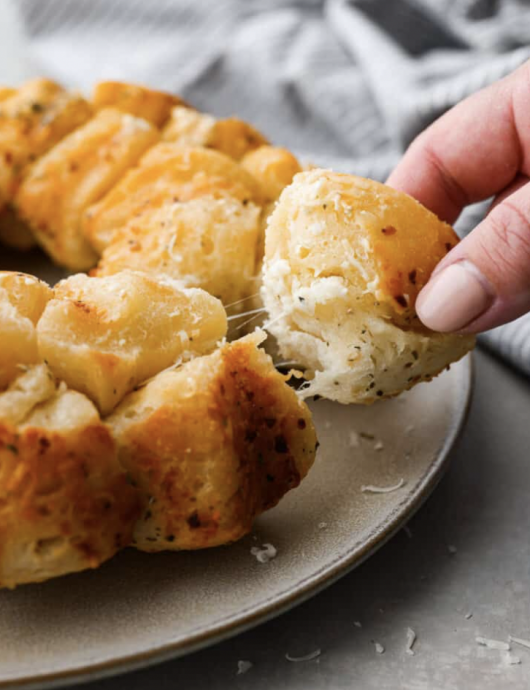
{"x":306,"y":657}
{"x":370,"y":489}
{"x":511,"y":659}
{"x":243,"y":666}
{"x":379,"y":648}
{"x":411,"y":639}
{"x":354,"y":439}
{"x":379,"y":445}
{"x":322,"y":525}
{"x":519,"y":641}
{"x":357,"y":624}
{"x":493,"y":644}
{"x":264,"y":554}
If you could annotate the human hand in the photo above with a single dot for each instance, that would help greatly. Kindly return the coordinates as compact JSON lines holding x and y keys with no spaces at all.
{"x":478,"y":149}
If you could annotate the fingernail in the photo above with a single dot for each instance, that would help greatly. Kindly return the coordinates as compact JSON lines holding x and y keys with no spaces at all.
{"x":454,"y":297}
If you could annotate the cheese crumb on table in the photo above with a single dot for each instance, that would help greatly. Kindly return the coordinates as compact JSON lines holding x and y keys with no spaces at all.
{"x":243,"y":666}
{"x":306,"y":657}
{"x":379,"y":648}
{"x":264,"y":554}
{"x":493,"y":644}
{"x":411,"y":639}
{"x":371,"y":489}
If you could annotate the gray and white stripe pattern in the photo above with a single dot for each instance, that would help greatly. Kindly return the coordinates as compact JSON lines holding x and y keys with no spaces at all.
{"x":345,"y":83}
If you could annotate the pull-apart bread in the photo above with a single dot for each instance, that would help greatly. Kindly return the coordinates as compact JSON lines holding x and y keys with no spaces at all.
{"x":211,"y":445}
{"x":345,"y":259}
{"x":203,"y":436}
{"x":126,"y":418}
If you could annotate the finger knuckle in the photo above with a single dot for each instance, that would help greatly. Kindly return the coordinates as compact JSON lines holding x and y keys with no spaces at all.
{"x":507,"y":245}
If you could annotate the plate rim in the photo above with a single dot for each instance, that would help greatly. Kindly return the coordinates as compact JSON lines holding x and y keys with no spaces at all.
{"x":276,"y":605}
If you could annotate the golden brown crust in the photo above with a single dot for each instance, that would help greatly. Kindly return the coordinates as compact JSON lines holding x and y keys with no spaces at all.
{"x":137,"y":100}
{"x":76,"y":173}
{"x":104,"y":336}
{"x":273,"y":167}
{"x":32,"y":120}
{"x":167,"y":173}
{"x":230,"y":136}
{"x":200,"y":243}
{"x":65,"y":502}
{"x":211,"y":446}
{"x":235,"y":138}
{"x":345,"y":260}
{"x":6,"y":92}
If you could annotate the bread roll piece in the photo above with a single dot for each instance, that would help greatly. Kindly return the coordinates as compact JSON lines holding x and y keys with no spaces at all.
{"x":211,"y":446}
{"x":104,"y":336}
{"x":154,"y":106}
{"x":22,"y":301}
{"x":32,"y":120}
{"x":231,"y":136}
{"x":273,"y":167}
{"x":345,"y":259}
{"x":167,"y":173}
{"x":65,"y":502}
{"x":76,"y":173}
{"x":200,"y":243}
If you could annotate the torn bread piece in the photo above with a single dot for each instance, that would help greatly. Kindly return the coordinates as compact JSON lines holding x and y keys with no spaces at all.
{"x":211,"y":445}
{"x":345,"y":259}
{"x":137,"y":100}
{"x":209,"y":243}
{"x":22,"y":301}
{"x":231,"y":136}
{"x":104,"y":336}
{"x":167,"y":173}
{"x":75,"y":174}
{"x":65,"y":502}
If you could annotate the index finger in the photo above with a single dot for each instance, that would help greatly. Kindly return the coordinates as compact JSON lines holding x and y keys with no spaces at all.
{"x":473,"y":151}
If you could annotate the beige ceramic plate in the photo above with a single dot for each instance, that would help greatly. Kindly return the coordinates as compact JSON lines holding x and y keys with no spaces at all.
{"x":139,"y":609}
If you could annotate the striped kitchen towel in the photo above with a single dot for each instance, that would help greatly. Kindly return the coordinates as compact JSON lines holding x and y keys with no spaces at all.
{"x":345,"y":83}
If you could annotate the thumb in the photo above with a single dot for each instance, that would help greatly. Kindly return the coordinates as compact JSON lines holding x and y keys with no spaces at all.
{"x":485,"y":280}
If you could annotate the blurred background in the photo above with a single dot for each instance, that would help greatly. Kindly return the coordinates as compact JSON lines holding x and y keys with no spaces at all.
{"x":347,"y":83}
